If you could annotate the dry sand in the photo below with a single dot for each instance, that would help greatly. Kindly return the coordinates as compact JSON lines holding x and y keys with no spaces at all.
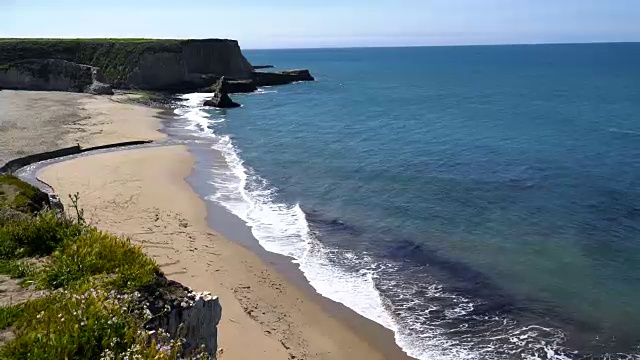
{"x":142,"y":194}
{"x":38,"y":121}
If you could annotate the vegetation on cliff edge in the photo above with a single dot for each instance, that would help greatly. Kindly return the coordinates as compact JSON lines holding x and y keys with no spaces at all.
{"x":21,"y":196}
{"x":91,"y":307}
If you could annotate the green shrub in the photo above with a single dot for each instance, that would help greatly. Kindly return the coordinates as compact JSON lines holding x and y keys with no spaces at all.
{"x":38,"y":235}
{"x":98,"y":253}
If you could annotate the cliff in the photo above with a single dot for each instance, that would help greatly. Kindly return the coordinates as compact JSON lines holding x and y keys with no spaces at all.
{"x":53,"y":75}
{"x":147,"y":64}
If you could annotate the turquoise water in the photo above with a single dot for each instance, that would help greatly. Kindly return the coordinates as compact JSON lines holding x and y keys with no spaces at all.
{"x":482,"y":202}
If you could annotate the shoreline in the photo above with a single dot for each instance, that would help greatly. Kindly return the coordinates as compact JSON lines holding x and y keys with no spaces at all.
{"x":216,"y":159}
{"x":323,"y":327}
{"x":234,"y":229}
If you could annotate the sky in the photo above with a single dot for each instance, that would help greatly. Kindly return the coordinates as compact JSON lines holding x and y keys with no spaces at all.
{"x":330,"y":23}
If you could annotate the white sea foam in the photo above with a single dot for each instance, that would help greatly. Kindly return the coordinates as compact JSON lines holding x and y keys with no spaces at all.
{"x":283,"y":229}
{"x":265,"y":90}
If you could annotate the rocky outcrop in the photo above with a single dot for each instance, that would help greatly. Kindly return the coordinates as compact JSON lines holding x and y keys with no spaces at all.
{"x":20,"y":196}
{"x":194,"y":318}
{"x":221,"y":101}
{"x":98,"y":88}
{"x":299,"y":75}
{"x":241,"y":86}
{"x":280,"y":78}
{"x":221,"y":97}
{"x":183,"y":314}
{"x":141,"y":64}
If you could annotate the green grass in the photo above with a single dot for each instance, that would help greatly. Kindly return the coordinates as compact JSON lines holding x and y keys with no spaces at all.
{"x":103,"y":40}
{"x":95,"y":253}
{"x":9,"y":315}
{"x":88,"y":40}
{"x":17,"y":268}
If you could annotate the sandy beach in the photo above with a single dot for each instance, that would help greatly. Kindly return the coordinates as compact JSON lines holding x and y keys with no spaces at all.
{"x":38,"y":121}
{"x":143,"y":194}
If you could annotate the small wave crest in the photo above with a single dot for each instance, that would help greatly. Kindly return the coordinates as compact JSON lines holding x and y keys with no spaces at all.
{"x":623,"y":131}
{"x":265,"y":90}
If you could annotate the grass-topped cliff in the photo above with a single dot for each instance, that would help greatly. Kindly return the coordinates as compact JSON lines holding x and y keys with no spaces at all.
{"x":20,"y":196}
{"x":87,"y":291}
{"x":136,"y":63}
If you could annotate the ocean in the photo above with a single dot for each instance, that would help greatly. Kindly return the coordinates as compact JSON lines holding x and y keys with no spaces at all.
{"x":482,"y":202}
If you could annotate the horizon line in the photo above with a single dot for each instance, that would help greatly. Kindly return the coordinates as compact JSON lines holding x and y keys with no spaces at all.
{"x":444,"y":45}
{"x":336,"y":47}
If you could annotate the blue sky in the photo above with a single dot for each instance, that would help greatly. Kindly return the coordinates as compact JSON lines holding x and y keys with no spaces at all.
{"x":288,"y":23}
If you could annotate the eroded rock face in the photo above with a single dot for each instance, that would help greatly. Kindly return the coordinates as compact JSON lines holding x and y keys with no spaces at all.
{"x":194,"y":319}
{"x":46,"y":75}
{"x":183,"y":314}
{"x":184,"y":65}
{"x":54,"y":75}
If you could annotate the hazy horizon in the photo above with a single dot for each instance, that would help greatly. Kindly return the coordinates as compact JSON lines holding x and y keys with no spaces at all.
{"x":332,"y":23}
{"x":345,"y":47}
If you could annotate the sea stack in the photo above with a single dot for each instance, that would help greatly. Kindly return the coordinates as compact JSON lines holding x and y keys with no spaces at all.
{"x":221,"y":97}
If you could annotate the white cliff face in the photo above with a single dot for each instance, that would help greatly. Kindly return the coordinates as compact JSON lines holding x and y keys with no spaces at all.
{"x":195,"y":319}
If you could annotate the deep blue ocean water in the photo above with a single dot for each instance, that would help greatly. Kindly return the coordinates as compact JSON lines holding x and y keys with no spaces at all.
{"x":483,"y":202}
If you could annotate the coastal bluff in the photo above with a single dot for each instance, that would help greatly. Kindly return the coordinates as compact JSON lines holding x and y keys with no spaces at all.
{"x":146,"y":64}
{"x":96,"y":66}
